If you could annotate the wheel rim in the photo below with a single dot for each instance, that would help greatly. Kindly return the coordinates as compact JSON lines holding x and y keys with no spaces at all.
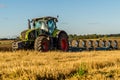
{"x":64,"y":45}
{"x":45,"y":46}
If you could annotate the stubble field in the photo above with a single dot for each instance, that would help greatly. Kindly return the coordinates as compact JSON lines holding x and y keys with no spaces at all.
{"x":32,"y":65}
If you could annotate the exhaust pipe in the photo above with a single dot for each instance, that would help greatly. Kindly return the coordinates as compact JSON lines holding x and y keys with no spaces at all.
{"x":29,"y":26}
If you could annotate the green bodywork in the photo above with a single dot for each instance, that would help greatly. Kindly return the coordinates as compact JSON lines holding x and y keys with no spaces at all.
{"x":26,"y":35}
{"x":54,"y":34}
{"x":26,"y":38}
{"x":27,"y":32}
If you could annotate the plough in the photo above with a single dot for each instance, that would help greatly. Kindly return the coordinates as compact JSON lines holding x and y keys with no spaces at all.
{"x":81,"y":45}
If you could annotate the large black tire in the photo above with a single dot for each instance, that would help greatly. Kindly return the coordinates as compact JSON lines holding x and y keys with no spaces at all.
{"x":63,"y":43}
{"x":42,"y":44}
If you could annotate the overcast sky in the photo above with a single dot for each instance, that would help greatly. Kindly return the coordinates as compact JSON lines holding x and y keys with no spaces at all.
{"x":75,"y":16}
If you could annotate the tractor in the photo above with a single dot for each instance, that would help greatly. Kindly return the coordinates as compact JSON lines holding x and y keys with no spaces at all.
{"x":42,"y":35}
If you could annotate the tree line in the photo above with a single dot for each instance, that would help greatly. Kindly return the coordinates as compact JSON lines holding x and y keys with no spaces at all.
{"x":92,"y":36}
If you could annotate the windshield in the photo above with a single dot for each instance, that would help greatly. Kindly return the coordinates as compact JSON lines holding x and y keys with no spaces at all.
{"x":38,"y":24}
{"x":51,"y":26}
{"x":48,"y":26}
{"x":41,"y":25}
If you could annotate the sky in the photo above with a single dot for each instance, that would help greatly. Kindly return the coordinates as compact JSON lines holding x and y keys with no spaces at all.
{"x":75,"y":16}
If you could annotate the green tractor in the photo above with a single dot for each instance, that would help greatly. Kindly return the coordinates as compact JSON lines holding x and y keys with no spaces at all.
{"x":43,"y":36}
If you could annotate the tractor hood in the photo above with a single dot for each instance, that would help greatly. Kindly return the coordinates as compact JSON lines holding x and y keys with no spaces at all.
{"x":28,"y":34}
{"x":23,"y":34}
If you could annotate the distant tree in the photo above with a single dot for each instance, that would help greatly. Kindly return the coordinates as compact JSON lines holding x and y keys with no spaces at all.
{"x":91,"y":36}
{"x":71,"y":37}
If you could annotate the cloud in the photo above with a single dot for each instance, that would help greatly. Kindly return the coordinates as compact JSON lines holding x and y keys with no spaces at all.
{"x":2,"y":6}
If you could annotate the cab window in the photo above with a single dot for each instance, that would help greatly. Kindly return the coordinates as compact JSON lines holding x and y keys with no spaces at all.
{"x":38,"y":24}
{"x":51,"y":26}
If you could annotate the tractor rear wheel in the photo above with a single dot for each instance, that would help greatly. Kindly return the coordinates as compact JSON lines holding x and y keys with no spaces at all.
{"x":63,"y":43}
{"x":41,"y":44}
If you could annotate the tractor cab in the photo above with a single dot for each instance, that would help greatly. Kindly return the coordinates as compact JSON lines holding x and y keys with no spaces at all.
{"x":47,"y":24}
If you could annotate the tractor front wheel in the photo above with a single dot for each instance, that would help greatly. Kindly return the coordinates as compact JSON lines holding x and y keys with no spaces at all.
{"x":41,"y":44}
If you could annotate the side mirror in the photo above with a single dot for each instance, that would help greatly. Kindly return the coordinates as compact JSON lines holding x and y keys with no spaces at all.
{"x":57,"y":16}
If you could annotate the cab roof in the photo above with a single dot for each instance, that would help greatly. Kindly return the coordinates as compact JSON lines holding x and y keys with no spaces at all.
{"x":45,"y":18}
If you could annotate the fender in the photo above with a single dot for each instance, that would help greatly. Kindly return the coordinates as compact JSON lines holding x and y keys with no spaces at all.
{"x":59,"y":32}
